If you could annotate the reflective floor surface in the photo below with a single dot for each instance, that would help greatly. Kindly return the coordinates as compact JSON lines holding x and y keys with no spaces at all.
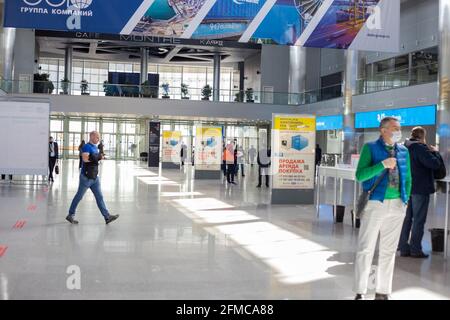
{"x":177,"y":238}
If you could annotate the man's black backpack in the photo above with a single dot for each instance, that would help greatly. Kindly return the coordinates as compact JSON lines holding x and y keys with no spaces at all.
{"x":440,"y":173}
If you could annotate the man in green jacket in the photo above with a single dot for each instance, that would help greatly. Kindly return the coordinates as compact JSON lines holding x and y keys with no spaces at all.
{"x":384,"y":214}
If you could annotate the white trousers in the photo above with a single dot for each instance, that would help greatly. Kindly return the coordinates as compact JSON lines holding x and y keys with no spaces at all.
{"x":384,"y":220}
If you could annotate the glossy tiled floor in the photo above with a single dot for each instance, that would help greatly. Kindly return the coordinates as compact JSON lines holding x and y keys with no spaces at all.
{"x":182,"y":239}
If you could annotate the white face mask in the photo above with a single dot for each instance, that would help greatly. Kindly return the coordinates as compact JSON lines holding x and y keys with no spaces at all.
{"x":396,"y":136}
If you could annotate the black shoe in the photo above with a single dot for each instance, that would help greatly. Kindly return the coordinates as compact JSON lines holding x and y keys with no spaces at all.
{"x":232,"y":182}
{"x":405,"y":254}
{"x":420,"y":255}
{"x":258,"y":186}
{"x":71,"y":219}
{"x":111,"y":218}
{"x":267,"y":186}
{"x":379,"y":296}
{"x":359,"y":296}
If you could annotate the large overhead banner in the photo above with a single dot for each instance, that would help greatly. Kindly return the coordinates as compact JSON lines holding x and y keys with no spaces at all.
{"x":340,"y":24}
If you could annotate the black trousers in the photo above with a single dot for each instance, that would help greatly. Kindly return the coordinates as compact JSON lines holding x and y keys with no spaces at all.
{"x":260,"y":177}
{"x":4,"y":176}
{"x":51,"y":166}
{"x":230,"y":172}
{"x":81,"y":162}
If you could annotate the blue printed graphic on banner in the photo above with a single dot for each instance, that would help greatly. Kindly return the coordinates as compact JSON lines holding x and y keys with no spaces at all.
{"x":418,"y":116}
{"x":299,"y":142}
{"x":70,"y":15}
{"x":228,"y":19}
{"x":282,"y":25}
{"x":329,"y":123}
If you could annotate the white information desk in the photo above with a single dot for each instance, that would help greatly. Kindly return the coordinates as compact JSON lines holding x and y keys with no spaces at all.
{"x":350,"y":174}
{"x":341,"y":174}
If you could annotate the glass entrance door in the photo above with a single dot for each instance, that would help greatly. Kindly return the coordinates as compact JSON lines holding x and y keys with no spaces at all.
{"x":128,"y":147}
{"x":74,"y":143}
{"x":109,"y":140}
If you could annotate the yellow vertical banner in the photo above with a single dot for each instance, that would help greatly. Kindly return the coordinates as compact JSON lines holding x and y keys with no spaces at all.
{"x":208,"y":148}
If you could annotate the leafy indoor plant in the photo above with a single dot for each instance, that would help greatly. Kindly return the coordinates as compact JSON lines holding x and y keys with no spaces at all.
{"x":206,"y":92}
{"x":184,"y":91}
{"x":249,"y":95}
{"x":65,"y":83}
{"x":165,"y":87}
{"x":84,"y":86}
{"x":42,"y":84}
{"x":108,"y":88}
{"x":239,"y":96}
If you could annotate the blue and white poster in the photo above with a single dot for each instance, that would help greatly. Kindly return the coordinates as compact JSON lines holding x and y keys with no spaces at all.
{"x":340,"y":24}
{"x":408,"y":117}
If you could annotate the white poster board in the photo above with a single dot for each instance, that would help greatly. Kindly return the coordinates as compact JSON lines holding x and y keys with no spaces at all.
{"x":171,"y":147}
{"x":24,"y":128}
{"x":208,"y":148}
{"x":293,"y":153}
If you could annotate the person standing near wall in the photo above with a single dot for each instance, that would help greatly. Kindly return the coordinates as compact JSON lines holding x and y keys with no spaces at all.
{"x":183,"y":153}
{"x":252,"y":155}
{"x":89,"y":180}
{"x":230,"y":162}
{"x":424,"y":160}
{"x":53,"y":155}
{"x":264,"y":163}
{"x":385,"y":212}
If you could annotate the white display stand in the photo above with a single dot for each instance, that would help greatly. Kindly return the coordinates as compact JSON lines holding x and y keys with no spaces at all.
{"x":24,"y":127}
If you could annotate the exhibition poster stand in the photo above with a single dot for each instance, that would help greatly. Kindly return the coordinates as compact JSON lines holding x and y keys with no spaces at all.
{"x":208,"y":153}
{"x":171,"y":149}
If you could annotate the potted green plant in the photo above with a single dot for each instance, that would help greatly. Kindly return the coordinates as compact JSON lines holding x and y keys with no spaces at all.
{"x":239,"y":96}
{"x":65,"y":83}
{"x":84,"y":86}
{"x":146,"y":90}
{"x":108,"y":88}
{"x":184,"y":91}
{"x":249,"y":95}
{"x":42,"y":84}
{"x":165,"y":87}
{"x":206,"y":92}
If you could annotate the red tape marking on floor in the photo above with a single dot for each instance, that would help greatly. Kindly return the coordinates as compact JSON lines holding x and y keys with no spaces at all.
{"x":40,"y":197}
{"x":2,"y":250}
{"x":19,"y":224}
{"x":32,"y":207}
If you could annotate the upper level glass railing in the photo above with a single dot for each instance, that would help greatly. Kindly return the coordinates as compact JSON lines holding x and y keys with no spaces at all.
{"x":389,"y":80}
{"x":399,"y":78}
{"x":162,"y":92}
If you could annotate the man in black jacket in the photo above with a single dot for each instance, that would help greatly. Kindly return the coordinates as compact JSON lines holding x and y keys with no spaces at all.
{"x":53,"y":155}
{"x":424,"y":160}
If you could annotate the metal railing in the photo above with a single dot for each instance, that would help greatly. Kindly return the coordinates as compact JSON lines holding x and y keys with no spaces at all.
{"x":390,"y":80}
{"x":398,"y":79}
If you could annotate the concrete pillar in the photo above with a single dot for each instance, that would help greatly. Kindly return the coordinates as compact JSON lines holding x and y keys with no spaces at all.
{"x":443,"y":125}
{"x":144,"y":65}
{"x":9,"y":39}
{"x":297,"y":74}
{"x":68,"y":63}
{"x":216,"y":82}
{"x":353,"y":71}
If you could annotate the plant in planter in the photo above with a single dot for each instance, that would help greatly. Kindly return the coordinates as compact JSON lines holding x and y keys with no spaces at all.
{"x":249,"y":95}
{"x":42,"y":84}
{"x":165,"y":87}
{"x":206,"y":92}
{"x":84,"y":87}
{"x":108,"y":88}
{"x":184,"y":91}
{"x":239,"y":96}
{"x":65,"y":83}
{"x":147,"y":91}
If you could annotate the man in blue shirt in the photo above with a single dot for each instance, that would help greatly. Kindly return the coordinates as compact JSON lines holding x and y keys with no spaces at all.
{"x":89,"y":179}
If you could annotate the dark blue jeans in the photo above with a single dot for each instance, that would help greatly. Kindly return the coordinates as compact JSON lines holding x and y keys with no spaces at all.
{"x":414,"y":224}
{"x":84,"y":185}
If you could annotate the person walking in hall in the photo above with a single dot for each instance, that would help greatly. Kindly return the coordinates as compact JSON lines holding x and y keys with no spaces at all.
{"x":183,"y":153}
{"x":89,"y":180}
{"x":252,"y":155}
{"x":240,"y":159}
{"x":424,"y":160}
{"x":80,"y":148}
{"x":101,"y":149}
{"x":230,"y":159}
{"x":386,"y":163}
{"x":4,"y":177}
{"x":53,"y":155}
{"x":264,"y":163}
{"x":224,"y":161}
{"x":318,"y":155}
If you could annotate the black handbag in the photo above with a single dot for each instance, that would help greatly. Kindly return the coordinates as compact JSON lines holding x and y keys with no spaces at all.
{"x":365,"y":196}
{"x":90,"y":170}
{"x":441,"y":172}
{"x":57,"y":169}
